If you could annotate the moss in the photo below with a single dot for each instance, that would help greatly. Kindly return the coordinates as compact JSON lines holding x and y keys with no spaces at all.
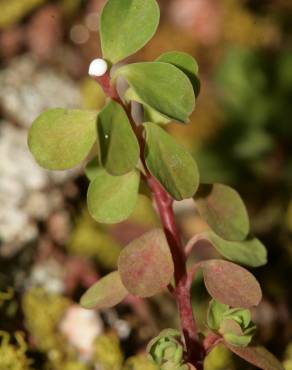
{"x":42,"y":313}
{"x":108,"y":353}
{"x":13,"y":10}
{"x":13,"y":357}
{"x":139,"y":363}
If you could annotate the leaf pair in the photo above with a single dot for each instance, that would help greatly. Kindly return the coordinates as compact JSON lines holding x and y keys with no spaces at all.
{"x":145,"y":267}
{"x":113,"y":190}
{"x":161,"y":88}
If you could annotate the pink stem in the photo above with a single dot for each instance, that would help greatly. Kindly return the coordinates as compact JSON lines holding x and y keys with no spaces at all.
{"x":211,"y":341}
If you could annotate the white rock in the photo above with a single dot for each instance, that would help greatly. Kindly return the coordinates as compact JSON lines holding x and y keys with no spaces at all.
{"x":81,"y":327}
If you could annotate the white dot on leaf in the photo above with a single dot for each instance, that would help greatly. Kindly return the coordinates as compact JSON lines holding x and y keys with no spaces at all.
{"x":98,"y":67}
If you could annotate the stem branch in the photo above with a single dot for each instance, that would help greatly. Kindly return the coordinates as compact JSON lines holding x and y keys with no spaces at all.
{"x":181,"y":292}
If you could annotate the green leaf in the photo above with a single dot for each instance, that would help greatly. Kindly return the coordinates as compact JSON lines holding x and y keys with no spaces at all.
{"x":224,"y":211}
{"x":170,"y":163}
{"x":162,"y":86}
{"x":231,"y":284}
{"x":126,"y":26}
{"x":146,"y":265}
{"x":250,"y":252}
{"x":105,"y":293}
{"x":60,"y":138}
{"x":215,"y":314}
{"x":186,"y":63}
{"x":112,"y":199}
{"x":258,"y":356}
{"x":118,"y":145}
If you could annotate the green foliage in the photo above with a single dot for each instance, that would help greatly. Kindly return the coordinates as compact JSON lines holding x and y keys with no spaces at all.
{"x":111,"y":199}
{"x":146,"y":264}
{"x":234,"y":324}
{"x":170,"y":163}
{"x":62,"y":138}
{"x":166,"y":90}
{"x":106,"y":292}
{"x":118,"y":146}
{"x":186,"y":63}
{"x":162,"y":86}
{"x":118,"y":27}
{"x":224,"y":211}
{"x":231,"y":284}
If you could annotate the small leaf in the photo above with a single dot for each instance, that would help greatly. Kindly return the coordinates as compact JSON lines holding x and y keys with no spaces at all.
{"x":60,"y":138}
{"x":250,"y":252}
{"x":186,"y":63}
{"x":126,"y":26}
{"x":112,"y":199}
{"x":170,"y":163}
{"x":162,"y":86}
{"x":146,"y":265}
{"x":258,"y":356}
{"x":224,"y":211}
{"x":119,"y":148}
{"x":215,"y":314}
{"x":231,"y":284}
{"x":233,"y":334}
{"x":105,"y":293}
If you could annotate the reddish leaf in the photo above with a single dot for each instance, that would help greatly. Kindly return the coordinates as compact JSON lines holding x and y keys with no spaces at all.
{"x":106,"y":292}
{"x":258,"y":356}
{"x":146,"y":265}
{"x":231,"y":284}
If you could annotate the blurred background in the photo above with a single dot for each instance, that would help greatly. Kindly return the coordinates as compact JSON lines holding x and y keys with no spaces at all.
{"x":240,"y":134}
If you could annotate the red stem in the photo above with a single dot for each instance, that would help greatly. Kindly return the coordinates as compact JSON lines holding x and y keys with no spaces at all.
{"x":181,"y":292}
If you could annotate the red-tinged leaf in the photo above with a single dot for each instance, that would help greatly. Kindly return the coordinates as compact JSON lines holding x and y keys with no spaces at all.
{"x":105,"y":293}
{"x":146,"y":265}
{"x":223,"y":210}
{"x":258,"y":356}
{"x":231,"y":284}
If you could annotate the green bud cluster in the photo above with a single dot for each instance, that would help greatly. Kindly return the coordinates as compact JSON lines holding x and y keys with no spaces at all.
{"x":234,"y":324}
{"x":166,"y":350}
